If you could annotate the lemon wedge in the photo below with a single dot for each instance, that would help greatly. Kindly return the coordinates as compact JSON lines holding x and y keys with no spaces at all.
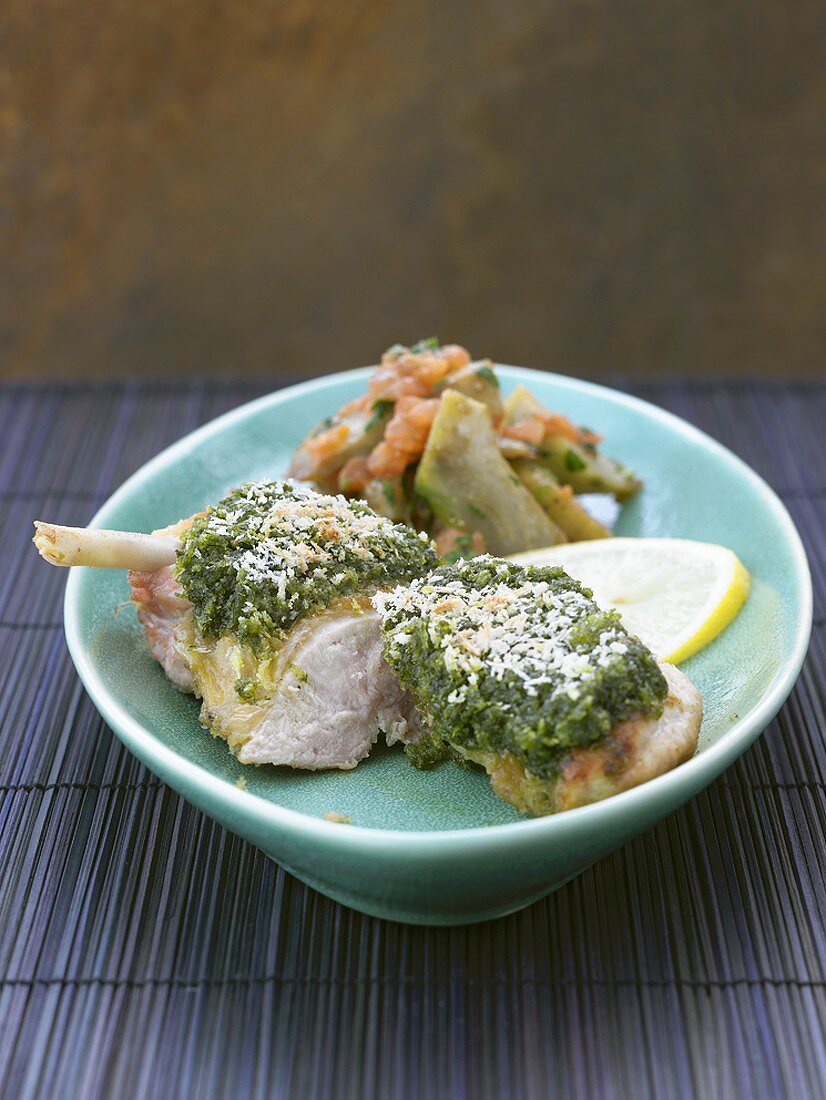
{"x":676,"y":595}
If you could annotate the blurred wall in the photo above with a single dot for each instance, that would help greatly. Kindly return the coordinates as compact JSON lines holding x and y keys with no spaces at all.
{"x":592,"y":187}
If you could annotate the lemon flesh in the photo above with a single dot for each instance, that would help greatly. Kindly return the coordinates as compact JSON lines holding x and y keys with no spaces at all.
{"x":676,"y":595}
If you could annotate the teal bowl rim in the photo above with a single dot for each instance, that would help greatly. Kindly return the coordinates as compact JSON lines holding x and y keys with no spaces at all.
{"x":184,"y":775}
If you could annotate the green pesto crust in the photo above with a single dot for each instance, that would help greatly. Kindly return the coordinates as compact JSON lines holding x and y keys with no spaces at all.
{"x":273,"y":552}
{"x":505,"y":658}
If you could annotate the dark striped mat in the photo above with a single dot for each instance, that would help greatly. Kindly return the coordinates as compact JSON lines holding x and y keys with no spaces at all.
{"x":144,"y":952}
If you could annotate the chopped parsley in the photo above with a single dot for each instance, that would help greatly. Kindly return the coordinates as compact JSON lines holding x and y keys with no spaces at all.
{"x":573,"y":461}
{"x":322,"y":426}
{"x":273,"y":552}
{"x":380,"y":410}
{"x":475,"y":510}
{"x":430,"y":344}
{"x":487,"y":373}
{"x":516,"y":659}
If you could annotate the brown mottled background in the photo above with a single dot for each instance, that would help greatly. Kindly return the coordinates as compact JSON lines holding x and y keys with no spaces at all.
{"x":593,"y":187}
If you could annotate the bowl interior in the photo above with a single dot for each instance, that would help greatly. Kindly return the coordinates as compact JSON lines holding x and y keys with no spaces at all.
{"x":693,"y":489}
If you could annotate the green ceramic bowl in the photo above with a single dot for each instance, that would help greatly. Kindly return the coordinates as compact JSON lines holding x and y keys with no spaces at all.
{"x":438,"y":847}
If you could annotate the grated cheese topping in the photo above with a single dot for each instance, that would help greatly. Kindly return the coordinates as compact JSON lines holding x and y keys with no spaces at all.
{"x":272,"y":552}
{"x":518,"y":659}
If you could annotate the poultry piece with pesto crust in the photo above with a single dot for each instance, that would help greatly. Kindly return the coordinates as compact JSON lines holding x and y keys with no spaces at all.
{"x":261,"y":607}
{"x":518,"y":670}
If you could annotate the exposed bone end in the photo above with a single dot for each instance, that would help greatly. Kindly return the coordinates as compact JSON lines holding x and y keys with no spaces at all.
{"x":67,"y":546}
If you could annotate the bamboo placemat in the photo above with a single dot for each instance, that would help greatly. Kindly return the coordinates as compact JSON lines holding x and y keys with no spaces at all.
{"x":145,"y":952}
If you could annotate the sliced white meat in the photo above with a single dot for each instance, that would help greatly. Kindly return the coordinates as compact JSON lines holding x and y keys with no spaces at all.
{"x":321,"y":702}
{"x":335,"y":693}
